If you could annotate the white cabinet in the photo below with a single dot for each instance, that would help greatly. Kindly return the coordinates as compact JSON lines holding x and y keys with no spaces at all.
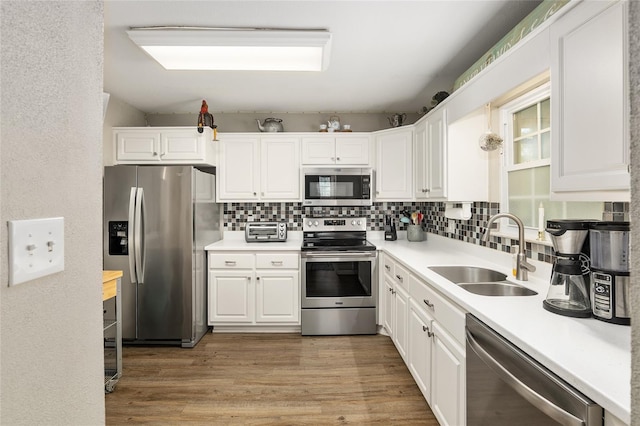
{"x":254,"y":289}
{"x":394,"y":171}
{"x":280,"y":168}
{"x":429,"y":157}
{"x":330,"y":149}
{"x":420,"y":348}
{"x":448,"y":394}
{"x":163,"y":145}
{"x":449,"y":165}
{"x":254,"y":167}
{"x":428,"y":331}
{"x":589,"y":102}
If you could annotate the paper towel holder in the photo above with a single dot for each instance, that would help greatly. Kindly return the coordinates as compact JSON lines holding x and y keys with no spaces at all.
{"x":459,"y":211}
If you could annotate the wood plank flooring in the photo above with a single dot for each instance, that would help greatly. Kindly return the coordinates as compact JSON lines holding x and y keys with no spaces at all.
{"x":268,"y":379}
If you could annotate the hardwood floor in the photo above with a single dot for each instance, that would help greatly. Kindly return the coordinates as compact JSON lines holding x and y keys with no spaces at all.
{"x":267,"y":379}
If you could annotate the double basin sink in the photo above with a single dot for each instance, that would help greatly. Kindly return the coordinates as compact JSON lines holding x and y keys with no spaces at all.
{"x":482,"y":281}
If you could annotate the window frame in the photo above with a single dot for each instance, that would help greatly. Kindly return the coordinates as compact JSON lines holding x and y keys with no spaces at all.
{"x":507,"y":228}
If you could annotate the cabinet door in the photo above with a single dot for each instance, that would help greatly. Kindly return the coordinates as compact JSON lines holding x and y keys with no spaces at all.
{"x":389,"y":310}
{"x":231,"y":296}
{"x":280,"y":168}
{"x":590,"y":111}
{"x":394,"y":176}
{"x":137,"y":146}
{"x":239,"y":168}
{"x":352,"y":150}
{"x":277,"y":296}
{"x":182,"y":145}
{"x":420,"y":159}
{"x":448,"y":379}
{"x":437,"y":154}
{"x":318,"y":150}
{"x":420,"y":343}
{"x":400,"y":321}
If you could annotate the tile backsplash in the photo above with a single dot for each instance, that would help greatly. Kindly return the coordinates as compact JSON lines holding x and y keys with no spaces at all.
{"x":237,"y":214}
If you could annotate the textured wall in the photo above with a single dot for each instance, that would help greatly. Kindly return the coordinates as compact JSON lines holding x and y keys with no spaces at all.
{"x":634,"y":75}
{"x":51,"y":369}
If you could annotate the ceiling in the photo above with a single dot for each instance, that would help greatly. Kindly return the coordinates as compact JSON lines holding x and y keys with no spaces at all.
{"x":386,"y":56}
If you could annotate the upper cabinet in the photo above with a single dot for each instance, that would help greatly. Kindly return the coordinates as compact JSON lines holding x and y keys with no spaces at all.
{"x":589,"y":103}
{"x":163,"y":145}
{"x":258,"y":168}
{"x":394,"y":172}
{"x":448,"y":163}
{"x":331,"y":149}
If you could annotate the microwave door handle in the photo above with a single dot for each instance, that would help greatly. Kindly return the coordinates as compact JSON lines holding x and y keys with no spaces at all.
{"x":534,"y":398}
{"x":131,"y":246}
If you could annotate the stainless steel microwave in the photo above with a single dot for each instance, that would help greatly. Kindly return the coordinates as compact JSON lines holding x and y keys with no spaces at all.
{"x":338,"y":186}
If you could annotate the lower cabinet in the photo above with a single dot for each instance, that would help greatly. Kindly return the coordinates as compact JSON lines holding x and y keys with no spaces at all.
{"x":248,"y":289}
{"x":428,"y":331}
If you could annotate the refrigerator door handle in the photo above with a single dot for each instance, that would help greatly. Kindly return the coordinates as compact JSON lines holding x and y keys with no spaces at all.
{"x":139,"y":232}
{"x":131,"y":246}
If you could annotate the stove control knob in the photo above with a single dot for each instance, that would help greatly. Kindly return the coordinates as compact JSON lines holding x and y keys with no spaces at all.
{"x":359,"y":222}
{"x":315,"y":223}
{"x":310,"y":223}
{"x":353,"y":222}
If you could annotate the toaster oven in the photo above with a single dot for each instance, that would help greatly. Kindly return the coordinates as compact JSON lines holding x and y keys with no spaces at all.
{"x":265,"y":231}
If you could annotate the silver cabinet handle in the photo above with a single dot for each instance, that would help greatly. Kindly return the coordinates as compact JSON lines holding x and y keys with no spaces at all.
{"x":277,"y":262}
{"x":230,"y":262}
{"x":255,"y":193}
{"x":155,"y":154}
{"x":537,"y":400}
{"x":429,"y":304}
{"x":393,"y":292}
{"x":387,"y":267}
{"x":257,"y":278}
{"x":399,"y":278}
{"x":338,"y":158}
{"x":429,"y":332}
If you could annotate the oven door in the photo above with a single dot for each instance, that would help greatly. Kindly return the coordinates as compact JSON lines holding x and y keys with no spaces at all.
{"x":338,"y":279}
{"x":337,"y":187}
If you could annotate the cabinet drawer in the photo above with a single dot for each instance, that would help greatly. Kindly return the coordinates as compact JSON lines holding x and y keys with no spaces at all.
{"x":388,"y":265}
{"x":277,"y":260}
{"x":446,"y":313}
{"x":401,"y":276}
{"x":231,"y":261}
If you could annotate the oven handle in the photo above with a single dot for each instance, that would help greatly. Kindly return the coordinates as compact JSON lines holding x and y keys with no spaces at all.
{"x":343,"y":255}
{"x":534,"y":398}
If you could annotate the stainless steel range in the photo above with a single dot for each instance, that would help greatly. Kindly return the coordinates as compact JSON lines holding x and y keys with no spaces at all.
{"x":339,"y":285}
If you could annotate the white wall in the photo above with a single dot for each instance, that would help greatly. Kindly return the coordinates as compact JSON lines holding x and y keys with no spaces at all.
{"x":51,"y":362}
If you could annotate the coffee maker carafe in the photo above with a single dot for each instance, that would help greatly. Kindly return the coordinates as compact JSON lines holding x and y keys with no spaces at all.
{"x":609,"y":245}
{"x":568,"y":293}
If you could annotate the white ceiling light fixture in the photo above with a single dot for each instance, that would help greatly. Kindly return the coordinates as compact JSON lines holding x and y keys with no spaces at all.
{"x":248,"y":49}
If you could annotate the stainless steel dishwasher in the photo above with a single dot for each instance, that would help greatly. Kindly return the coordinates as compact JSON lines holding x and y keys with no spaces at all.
{"x":507,"y":387}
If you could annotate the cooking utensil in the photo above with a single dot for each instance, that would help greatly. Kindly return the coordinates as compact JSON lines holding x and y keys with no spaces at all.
{"x":414,"y":218}
{"x":405,"y":219}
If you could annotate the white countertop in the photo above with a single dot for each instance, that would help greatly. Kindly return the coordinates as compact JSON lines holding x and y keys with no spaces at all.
{"x":591,"y":355}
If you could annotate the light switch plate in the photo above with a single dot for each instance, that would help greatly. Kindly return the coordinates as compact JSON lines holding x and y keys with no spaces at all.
{"x":36,"y":248}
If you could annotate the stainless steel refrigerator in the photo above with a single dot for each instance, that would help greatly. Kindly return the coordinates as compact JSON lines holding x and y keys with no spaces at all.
{"x":157,"y":221}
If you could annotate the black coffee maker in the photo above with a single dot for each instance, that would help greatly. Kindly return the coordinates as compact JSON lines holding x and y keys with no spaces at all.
{"x":390,"y":228}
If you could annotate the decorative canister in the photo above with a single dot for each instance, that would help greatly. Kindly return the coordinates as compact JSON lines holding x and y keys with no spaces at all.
{"x":415,"y":233}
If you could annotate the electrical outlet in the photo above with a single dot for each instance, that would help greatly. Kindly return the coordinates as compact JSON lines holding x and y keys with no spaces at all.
{"x":36,"y":248}
{"x":451,"y":226}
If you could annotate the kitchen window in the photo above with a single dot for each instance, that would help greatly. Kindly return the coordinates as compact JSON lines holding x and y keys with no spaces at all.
{"x":526,"y":175}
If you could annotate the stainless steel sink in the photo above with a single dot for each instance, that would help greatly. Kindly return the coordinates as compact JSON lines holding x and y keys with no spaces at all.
{"x":497,"y":289}
{"x":468,"y":274}
{"x":482,"y":281}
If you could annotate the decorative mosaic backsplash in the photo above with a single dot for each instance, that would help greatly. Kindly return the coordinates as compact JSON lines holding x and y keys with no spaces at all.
{"x":237,"y":214}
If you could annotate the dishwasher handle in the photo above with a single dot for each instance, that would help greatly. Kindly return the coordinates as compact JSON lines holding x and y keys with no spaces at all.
{"x":534,"y":398}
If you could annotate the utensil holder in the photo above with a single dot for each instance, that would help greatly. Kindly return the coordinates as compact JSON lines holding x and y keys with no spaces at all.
{"x":415,"y":233}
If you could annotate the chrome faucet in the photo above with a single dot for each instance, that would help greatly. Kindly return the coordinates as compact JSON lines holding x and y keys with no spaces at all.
{"x":522,"y":266}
